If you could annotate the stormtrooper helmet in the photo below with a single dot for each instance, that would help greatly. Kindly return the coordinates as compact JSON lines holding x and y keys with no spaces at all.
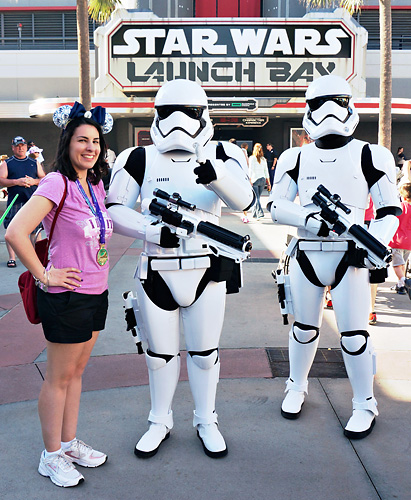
{"x":181,"y":118}
{"x":329,"y":108}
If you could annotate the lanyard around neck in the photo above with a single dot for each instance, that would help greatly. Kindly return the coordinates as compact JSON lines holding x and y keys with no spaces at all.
{"x":95,"y":210}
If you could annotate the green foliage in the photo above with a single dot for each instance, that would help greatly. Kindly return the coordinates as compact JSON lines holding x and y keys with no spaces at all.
{"x":350,"y":6}
{"x":100,"y":10}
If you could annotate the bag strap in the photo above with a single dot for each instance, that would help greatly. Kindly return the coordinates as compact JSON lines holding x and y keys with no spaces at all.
{"x":59,"y":208}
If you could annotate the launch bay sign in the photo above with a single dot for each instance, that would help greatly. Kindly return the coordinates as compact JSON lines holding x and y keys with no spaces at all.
{"x":245,"y":54}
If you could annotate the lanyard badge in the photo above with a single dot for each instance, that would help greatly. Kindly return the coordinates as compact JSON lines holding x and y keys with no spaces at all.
{"x":102,"y":254}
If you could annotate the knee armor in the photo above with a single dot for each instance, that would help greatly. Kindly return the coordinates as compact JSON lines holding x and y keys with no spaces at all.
{"x":304,"y":334}
{"x":354,"y":342}
{"x":205,"y":359}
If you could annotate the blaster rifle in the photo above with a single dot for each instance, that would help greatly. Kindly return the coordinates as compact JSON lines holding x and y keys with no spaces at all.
{"x":130,"y":304}
{"x":377,"y":253}
{"x":180,"y":217}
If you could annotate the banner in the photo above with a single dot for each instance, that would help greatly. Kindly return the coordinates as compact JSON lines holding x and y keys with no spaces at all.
{"x":237,"y":54}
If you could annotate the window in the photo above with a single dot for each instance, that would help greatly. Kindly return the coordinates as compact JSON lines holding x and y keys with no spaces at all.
{"x":40,"y":30}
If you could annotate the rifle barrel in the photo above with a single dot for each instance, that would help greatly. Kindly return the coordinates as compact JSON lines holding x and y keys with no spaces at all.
{"x":225,"y":236}
{"x":368,"y":240}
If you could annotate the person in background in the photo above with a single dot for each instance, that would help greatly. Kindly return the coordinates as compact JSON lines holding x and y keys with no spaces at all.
{"x":402,"y":167}
{"x":35,"y":154}
{"x":401,"y":242}
{"x":244,"y":148}
{"x":40,"y":158}
{"x":110,"y":159}
{"x":72,"y":296}
{"x":271,"y":157}
{"x":21,"y":176}
{"x":259,"y":177}
{"x":376,"y":276}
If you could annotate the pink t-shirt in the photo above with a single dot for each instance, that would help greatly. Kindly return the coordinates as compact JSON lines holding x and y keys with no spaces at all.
{"x":75,"y":241}
{"x":402,"y":238}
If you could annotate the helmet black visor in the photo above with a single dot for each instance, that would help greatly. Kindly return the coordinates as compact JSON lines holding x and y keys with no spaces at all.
{"x":194,"y":112}
{"x":317,"y":102}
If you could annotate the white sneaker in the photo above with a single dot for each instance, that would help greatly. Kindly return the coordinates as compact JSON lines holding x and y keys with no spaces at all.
{"x":60,"y":470}
{"x":360,"y":424}
{"x":213,"y":442}
{"x":150,"y":442}
{"x":292,"y":404}
{"x":84,"y":455}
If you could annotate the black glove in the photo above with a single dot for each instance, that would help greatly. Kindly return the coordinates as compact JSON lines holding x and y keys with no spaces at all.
{"x":316,"y":226}
{"x":168,"y":239}
{"x":205,"y":172}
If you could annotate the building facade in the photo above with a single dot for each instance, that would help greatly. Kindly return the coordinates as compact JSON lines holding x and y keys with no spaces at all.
{"x":254,"y":58}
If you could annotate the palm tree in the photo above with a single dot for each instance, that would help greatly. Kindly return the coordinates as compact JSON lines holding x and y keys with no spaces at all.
{"x":384,"y":120}
{"x":100,"y":10}
{"x":83,"y":53}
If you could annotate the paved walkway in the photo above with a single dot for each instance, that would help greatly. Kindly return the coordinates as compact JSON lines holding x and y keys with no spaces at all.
{"x":269,"y":457}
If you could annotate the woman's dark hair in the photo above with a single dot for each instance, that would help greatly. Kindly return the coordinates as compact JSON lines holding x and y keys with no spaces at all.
{"x":62,"y":161}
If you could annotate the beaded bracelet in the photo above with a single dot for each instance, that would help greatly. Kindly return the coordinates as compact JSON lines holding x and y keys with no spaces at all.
{"x":40,"y":284}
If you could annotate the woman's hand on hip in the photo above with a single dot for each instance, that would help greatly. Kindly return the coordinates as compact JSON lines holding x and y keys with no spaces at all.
{"x":67,"y":277}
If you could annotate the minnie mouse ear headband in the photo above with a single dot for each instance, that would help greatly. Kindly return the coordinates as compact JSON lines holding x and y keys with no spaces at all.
{"x":64,"y":114}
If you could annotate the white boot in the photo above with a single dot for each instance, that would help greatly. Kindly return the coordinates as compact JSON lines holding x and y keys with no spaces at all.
{"x":294,"y":400}
{"x":302,"y":346}
{"x":203,"y":373}
{"x":360,"y":370}
{"x":213,"y":442}
{"x":360,"y":424}
{"x":163,"y":378}
{"x":150,"y":442}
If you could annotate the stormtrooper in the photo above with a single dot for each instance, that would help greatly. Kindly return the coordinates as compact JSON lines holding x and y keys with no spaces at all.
{"x":180,"y":282}
{"x":319,"y":257}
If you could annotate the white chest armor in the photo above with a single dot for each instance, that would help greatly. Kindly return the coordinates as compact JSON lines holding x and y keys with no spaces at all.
{"x":339,"y":170}
{"x":173,"y":172}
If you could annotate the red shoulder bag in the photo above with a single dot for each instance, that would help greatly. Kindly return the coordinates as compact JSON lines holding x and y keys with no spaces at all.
{"x":27,"y":283}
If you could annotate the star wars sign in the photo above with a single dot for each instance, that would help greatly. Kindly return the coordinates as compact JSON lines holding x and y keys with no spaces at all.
{"x":252,"y":54}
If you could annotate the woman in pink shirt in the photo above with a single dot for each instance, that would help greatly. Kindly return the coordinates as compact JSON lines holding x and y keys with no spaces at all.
{"x":401,"y":242}
{"x":72,"y":295}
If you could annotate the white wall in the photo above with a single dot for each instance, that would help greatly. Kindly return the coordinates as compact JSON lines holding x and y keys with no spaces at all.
{"x":401,"y":73}
{"x":31,"y":74}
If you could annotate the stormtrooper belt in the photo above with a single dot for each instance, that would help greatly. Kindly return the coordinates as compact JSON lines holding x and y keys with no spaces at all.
{"x":178,"y":263}
{"x":324,"y":246}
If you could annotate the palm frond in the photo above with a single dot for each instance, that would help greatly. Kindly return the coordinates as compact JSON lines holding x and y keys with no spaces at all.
{"x":100,"y":10}
{"x":350,"y":6}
